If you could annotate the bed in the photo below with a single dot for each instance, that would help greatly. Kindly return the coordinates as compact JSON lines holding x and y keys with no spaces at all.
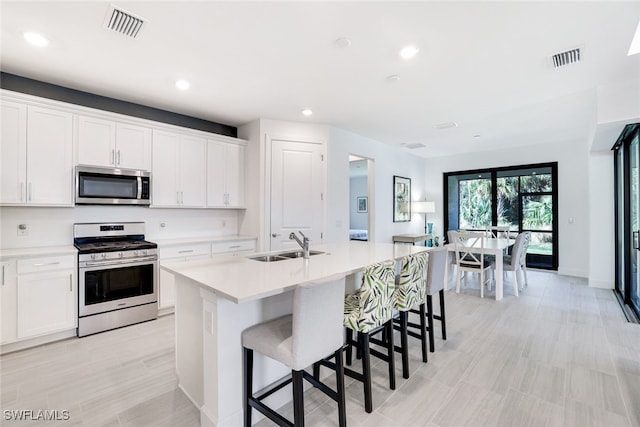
{"x":356,"y":234}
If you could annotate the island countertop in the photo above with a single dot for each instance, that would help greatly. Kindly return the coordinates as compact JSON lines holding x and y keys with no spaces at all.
{"x":241,"y":279}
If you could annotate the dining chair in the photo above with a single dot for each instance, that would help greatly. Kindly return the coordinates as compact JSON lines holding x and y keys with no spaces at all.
{"x":470,"y":257}
{"x":309,"y":334}
{"x":517,"y":261}
{"x":498,"y":231}
{"x":369,"y":311}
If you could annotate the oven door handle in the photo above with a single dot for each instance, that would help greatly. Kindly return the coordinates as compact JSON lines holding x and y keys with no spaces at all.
{"x":119,"y":262}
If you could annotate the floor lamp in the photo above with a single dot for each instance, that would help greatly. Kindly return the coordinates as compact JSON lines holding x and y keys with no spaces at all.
{"x":425,"y":208}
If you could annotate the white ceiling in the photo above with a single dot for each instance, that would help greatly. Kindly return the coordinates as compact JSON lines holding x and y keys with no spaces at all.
{"x":483,"y":65}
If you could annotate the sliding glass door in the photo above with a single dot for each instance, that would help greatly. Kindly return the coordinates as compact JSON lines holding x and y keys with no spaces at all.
{"x":627,"y":204}
{"x":524,"y":198}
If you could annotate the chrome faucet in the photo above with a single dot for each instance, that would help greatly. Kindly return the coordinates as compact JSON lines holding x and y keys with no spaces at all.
{"x":304,"y":244}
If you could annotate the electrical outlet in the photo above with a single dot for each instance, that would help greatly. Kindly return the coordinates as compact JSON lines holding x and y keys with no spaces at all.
{"x":23,"y":230}
{"x":163,"y":224}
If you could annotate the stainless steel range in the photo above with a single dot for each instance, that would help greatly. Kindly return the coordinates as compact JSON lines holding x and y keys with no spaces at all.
{"x":117,"y":276}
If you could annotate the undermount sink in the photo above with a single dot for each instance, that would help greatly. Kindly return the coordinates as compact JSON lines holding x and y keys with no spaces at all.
{"x":283,"y":256}
{"x":268,"y":258}
{"x":299,"y":254}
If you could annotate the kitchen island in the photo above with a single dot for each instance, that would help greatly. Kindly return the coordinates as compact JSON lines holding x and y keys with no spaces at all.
{"x":216,"y":299}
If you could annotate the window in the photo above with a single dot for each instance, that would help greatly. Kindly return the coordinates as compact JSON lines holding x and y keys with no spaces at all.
{"x":524,"y":198}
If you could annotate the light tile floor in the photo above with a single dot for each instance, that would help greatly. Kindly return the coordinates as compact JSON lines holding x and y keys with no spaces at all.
{"x":559,"y":355}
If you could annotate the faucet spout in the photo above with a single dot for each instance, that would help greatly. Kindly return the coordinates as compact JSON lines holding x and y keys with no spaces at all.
{"x":304,"y":243}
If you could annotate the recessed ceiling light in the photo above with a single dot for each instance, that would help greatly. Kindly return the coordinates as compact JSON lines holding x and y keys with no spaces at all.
{"x":635,"y":43}
{"x":446,"y":125}
{"x":476,"y":136}
{"x":36,"y":39}
{"x":393,"y":78}
{"x":408,"y":52}
{"x":343,"y":42}
{"x":183,"y":84}
{"x":307,"y":112}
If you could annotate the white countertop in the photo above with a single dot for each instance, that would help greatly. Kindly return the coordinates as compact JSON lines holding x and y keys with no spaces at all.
{"x":241,"y":279}
{"x":39,"y":251}
{"x":201,"y":239}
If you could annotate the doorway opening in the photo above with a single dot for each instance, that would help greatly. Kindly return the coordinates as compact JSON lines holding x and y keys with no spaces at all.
{"x":361,"y":198}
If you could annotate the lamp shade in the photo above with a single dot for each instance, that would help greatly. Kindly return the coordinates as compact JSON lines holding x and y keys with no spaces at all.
{"x":423,"y":207}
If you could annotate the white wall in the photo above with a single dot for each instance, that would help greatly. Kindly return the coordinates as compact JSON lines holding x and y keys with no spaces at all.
{"x":54,"y":226}
{"x":573,"y":194}
{"x":388,"y":161}
{"x":357,"y":188}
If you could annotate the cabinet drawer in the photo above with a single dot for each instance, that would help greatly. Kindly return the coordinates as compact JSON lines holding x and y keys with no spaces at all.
{"x":182,"y":251}
{"x":32,"y":265}
{"x":233,"y":246}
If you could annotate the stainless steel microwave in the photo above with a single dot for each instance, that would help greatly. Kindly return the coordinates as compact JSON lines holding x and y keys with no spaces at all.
{"x":109,"y":186}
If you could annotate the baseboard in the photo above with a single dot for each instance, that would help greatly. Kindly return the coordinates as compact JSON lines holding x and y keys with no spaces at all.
{"x":573,"y":273}
{"x":600,"y":284}
{"x":37,"y":341}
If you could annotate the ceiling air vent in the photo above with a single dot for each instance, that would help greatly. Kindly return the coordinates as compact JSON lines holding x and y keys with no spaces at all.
{"x":123,"y":22}
{"x":414,"y":146}
{"x":565,"y":58}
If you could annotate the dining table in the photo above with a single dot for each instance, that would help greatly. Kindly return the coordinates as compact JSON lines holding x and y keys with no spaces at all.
{"x":488,"y":246}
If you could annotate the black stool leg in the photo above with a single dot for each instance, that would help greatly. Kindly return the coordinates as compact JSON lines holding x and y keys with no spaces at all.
{"x":390,"y":352}
{"x":430,"y":322}
{"x":247,"y":370}
{"x":423,"y":333}
{"x":443,"y":322}
{"x":342,"y":405}
{"x":363,"y":338}
{"x":404,"y":343}
{"x":298,"y":398}
{"x":349,"y":334}
{"x":316,"y":371}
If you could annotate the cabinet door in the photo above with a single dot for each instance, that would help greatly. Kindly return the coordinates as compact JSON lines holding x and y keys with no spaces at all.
{"x":216,"y":187}
{"x":133,"y":147}
{"x":96,"y":142}
{"x":8,"y":302}
{"x":193,"y":177}
{"x":49,"y":157}
{"x":167,"y":291}
{"x":164,"y":179}
{"x":13,"y":151}
{"x":46,"y":303}
{"x":235,"y":161}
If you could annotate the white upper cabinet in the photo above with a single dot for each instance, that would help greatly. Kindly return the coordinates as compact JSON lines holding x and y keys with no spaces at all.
{"x":179,"y":170}
{"x":225,"y":174}
{"x":13,"y":154}
{"x":37,"y":156}
{"x":111,"y":144}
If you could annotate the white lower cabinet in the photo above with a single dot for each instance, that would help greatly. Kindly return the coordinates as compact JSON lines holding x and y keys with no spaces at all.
{"x":191,"y":252}
{"x":39,"y":296}
{"x":186,"y":252}
{"x":8,"y":302}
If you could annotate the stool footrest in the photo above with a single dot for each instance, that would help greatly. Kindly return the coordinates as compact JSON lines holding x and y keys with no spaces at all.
{"x":270,"y":413}
{"x":273,"y":387}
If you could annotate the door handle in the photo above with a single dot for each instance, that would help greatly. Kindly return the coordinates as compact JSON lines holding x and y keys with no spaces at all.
{"x":118,"y":157}
{"x":30,"y":186}
{"x":71,"y":283}
{"x":3,"y":268}
{"x":21,"y":191}
{"x":113,"y":157}
{"x":636,"y":242}
{"x":275,"y":234}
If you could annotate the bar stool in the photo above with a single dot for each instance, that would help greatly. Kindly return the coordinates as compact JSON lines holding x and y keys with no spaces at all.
{"x":369,"y":311}
{"x":410,"y":292}
{"x":309,"y":334}
{"x":436,"y":266}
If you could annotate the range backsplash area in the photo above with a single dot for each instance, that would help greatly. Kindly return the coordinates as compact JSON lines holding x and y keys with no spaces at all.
{"x":54,"y":226}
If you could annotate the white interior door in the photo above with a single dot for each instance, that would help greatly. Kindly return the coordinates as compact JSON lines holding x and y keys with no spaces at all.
{"x":296,"y":192}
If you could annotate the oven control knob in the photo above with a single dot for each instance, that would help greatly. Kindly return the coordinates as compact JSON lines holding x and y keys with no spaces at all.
{"x":146,"y":252}
{"x":104,"y":255}
{"x":135,"y":253}
{"x":120,"y":254}
{"x":93,"y":256}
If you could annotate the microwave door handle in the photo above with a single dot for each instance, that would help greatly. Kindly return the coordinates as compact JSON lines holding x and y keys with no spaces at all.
{"x":139,"y":187}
